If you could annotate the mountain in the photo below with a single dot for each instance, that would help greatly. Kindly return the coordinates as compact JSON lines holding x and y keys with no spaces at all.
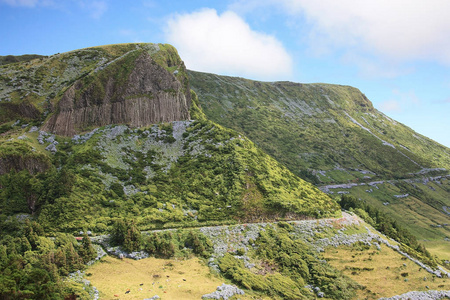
{"x":332,"y":136}
{"x":107,"y":150}
{"x":134,"y":84}
{"x":10,"y":59}
{"x":179,"y":172}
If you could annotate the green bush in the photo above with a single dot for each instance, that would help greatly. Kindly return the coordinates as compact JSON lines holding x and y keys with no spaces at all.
{"x":126,"y":234}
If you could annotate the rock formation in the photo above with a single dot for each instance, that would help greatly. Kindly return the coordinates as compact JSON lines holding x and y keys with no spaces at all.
{"x":33,"y":164}
{"x":150,"y":94}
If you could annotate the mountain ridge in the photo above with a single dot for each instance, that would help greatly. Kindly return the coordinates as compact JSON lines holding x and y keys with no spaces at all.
{"x":332,"y":136}
{"x":306,"y":101}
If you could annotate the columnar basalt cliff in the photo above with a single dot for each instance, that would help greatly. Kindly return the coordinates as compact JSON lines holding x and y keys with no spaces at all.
{"x":148,"y":94}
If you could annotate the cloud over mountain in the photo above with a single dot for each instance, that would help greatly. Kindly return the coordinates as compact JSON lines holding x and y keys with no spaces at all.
{"x":225,"y":43}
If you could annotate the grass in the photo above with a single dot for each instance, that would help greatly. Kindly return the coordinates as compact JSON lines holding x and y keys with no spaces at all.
{"x":438,"y":248}
{"x":298,"y":126}
{"x":170,"y":279}
{"x":412,"y":213}
{"x":167,"y":278}
{"x":380,"y":271}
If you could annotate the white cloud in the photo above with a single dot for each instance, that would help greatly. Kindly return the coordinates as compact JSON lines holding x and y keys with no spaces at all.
{"x":398,"y":30}
{"x":226,"y":44}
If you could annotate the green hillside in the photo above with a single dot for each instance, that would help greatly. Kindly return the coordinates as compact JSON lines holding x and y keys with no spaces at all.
{"x":332,"y":136}
{"x":318,"y":127}
{"x":10,"y":59}
{"x":107,"y":149}
{"x":185,"y":173}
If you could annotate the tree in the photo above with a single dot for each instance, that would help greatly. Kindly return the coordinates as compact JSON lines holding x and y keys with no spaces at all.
{"x":87,"y":251}
{"x":74,"y":262}
{"x":118,"y":232}
{"x":3,"y":256}
{"x":126,"y":234}
{"x":133,"y":239}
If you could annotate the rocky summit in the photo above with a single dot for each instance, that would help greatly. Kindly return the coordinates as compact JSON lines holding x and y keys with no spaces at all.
{"x":136,"y":85}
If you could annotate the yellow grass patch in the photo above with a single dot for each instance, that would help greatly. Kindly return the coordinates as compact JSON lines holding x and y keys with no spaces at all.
{"x":167,"y":278}
{"x":384,"y":273}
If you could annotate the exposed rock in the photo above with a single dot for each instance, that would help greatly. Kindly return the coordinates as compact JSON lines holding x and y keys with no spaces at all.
{"x":78,"y":277}
{"x":415,"y":295}
{"x":51,"y":148}
{"x":225,"y":291}
{"x":23,"y":110}
{"x":150,"y":94}
{"x":401,"y":196}
{"x":18,"y":163}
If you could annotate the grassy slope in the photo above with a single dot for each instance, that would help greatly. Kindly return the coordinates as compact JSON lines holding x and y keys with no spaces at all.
{"x":313,"y":130}
{"x":198,"y":173}
{"x":306,"y":126}
{"x":10,"y":59}
{"x":424,"y":221}
{"x":380,"y":271}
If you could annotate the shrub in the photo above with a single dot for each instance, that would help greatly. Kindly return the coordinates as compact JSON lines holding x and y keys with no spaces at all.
{"x":126,"y":234}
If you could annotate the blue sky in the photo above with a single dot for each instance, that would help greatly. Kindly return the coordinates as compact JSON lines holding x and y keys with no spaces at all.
{"x":396,"y":52}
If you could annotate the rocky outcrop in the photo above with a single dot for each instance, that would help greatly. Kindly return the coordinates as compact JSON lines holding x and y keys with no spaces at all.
{"x":421,"y":295}
{"x":149,"y":94}
{"x":18,"y":110}
{"x":18,"y":163}
{"x":225,"y":291}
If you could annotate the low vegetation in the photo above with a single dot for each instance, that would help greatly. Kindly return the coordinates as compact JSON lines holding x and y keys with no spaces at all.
{"x":389,"y":227}
{"x":382,"y":272}
{"x":169,"y":175}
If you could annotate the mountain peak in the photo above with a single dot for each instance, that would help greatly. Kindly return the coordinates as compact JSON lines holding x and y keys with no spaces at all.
{"x":134,"y":84}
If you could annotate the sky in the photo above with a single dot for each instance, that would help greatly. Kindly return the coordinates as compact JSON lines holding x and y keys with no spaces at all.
{"x":397,"y":52}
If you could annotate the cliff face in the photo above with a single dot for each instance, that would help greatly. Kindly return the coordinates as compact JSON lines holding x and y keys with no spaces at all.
{"x":18,"y":163}
{"x":18,"y":155}
{"x":133,"y":90}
